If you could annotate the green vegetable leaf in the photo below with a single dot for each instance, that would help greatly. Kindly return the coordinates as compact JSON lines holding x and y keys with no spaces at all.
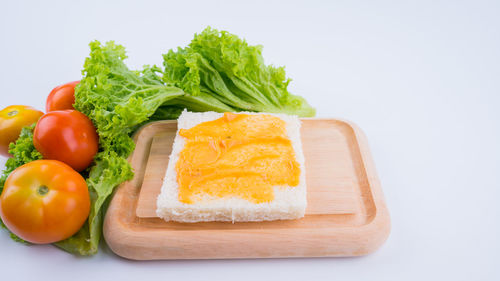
{"x":117,"y":100}
{"x":225,"y":67}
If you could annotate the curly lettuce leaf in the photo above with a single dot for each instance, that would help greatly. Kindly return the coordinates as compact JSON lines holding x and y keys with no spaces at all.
{"x":117,"y":100}
{"x":221,"y":65}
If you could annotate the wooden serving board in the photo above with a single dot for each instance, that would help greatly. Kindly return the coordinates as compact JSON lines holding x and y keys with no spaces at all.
{"x":346,"y":214}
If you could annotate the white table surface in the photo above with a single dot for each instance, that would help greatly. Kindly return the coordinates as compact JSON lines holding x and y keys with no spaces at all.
{"x":422,"y":80}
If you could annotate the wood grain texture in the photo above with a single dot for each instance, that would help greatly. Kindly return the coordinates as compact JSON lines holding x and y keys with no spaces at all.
{"x":346,"y":213}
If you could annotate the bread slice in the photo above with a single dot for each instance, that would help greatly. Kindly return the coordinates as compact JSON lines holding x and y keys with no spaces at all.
{"x":289,"y":202}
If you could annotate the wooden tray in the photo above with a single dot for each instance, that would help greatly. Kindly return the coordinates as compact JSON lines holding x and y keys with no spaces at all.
{"x":346,"y":214}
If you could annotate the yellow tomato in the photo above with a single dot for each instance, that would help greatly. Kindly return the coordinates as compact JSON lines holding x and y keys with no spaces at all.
{"x":12,"y":119}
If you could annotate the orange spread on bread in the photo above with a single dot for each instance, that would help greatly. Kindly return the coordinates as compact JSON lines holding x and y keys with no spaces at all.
{"x":237,"y":155}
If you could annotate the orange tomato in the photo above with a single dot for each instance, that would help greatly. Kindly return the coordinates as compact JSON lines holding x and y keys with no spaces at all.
{"x":12,"y":119}
{"x":44,"y":201}
{"x":61,"y":97}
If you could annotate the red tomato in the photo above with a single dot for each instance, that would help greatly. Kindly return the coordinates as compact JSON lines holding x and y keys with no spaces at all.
{"x":61,"y":97}
{"x":44,"y":201}
{"x":68,"y":136}
{"x":12,"y":119}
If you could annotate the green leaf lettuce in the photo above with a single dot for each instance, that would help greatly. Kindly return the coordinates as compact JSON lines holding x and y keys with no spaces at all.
{"x":221,"y":65}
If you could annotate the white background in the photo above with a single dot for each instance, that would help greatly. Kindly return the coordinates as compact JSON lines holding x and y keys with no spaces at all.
{"x":421,"y":78}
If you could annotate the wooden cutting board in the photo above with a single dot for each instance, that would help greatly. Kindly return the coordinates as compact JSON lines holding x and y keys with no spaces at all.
{"x":346,"y":214}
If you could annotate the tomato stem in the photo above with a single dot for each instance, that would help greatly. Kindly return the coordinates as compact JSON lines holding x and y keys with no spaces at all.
{"x":12,"y":113}
{"x":42,"y":190}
